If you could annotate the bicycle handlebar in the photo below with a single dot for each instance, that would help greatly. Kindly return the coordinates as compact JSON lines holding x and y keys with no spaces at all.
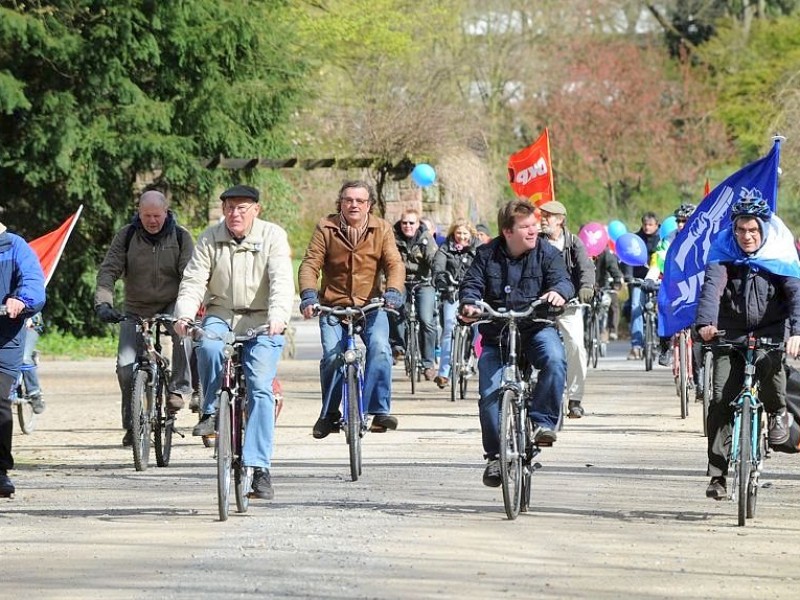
{"x":504,"y":314}
{"x":163,"y":318}
{"x":197,"y":333}
{"x":349,"y":311}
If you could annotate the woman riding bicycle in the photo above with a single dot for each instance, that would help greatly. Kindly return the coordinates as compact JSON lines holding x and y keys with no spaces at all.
{"x":449,"y":265}
{"x":751,"y":287}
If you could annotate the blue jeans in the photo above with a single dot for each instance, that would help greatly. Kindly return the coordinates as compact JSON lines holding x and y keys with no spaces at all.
{"x":449,"y":312}
{"x":426,"y":307}
{"x":260,"y":360}
{"x":637,"y":320}
{"x":377,"y":391}
{"x":545,"y":352}
{"x":30,"y":371}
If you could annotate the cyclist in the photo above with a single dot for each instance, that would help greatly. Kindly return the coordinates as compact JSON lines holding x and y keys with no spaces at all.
{"x":483,"y":234}
{"x":607,"y":271}
{"x":149,"y":255}
{"x":451,"y":261}
{"x":22,"y":289}
{"x":751,"y":286}
{"x":417,"y":249}
{"x":353,"y":250}
{"x":649,"y":234}
{"x":656,"y":270}
{"x":512,"y":271}
{"x":243,"y":269}
{"x":570,"y":322}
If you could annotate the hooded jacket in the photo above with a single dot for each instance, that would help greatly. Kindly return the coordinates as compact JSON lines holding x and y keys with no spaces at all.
{"x":450,"y":263}
{"x":417,"y":252}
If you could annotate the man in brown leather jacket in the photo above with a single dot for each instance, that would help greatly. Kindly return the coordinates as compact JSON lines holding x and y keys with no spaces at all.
{"x":353,"y":250}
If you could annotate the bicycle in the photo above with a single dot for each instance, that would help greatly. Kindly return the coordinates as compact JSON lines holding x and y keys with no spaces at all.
{"x":354,"y":417}
{"x":749,"y":444}
{"x":650,"y":317}
{"x":707,"y":380}
{"x":19,"y":395}
{"x":682,"y":368}
{"x":518,"y":446}
{"x":595,"y":317}
{"x":231,"y":419}
{"x":413,"y":356}
{"x":151,"y":375}
{"x":463,"y":360}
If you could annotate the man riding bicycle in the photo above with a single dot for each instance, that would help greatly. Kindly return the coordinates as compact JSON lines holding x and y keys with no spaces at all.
{"x":746,"y":291}
{"x":354,"y":250}
{"x":242,"y":268}
{"x":512,"y":271}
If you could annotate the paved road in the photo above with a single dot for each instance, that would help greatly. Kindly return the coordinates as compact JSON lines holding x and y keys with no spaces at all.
{"x":618,"y":511}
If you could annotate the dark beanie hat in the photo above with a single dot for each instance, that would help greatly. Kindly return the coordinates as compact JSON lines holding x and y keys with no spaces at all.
{"x":481,"y":228}
{"x":240,"y":191}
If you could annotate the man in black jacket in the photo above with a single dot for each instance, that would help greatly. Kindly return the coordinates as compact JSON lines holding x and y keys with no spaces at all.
{"x":512,"y":271}
{"x":743,"y":294}
{"x":649,"y":233}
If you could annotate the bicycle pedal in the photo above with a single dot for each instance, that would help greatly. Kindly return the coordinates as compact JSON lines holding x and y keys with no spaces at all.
{"x":174,"y":430}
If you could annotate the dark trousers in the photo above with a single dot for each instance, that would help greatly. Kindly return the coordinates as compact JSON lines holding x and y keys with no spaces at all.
{"x":728,"y":380}
{"x":7,"y":383}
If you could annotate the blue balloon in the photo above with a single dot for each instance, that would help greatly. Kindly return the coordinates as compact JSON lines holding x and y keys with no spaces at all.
{"x":423,"y":175}
{"x":669,"y":225}
{"x":631,"y":250}
{"x":616,"y":229}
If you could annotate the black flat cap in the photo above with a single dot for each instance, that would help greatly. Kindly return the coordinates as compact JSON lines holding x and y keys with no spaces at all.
{"x":240,"y":191}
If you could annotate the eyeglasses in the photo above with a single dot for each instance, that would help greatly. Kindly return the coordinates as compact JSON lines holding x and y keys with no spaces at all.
{"x":358,"y":201}
{"x":239,"y":209}
{"x":680,"y":220}
{"x":745,"y":232}
{"x":408,"y":222}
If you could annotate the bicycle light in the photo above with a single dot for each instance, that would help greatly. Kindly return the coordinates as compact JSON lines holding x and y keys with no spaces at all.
{"x":509,"y":374}
{"x":350,"y":356}
{"x":227,"y":351}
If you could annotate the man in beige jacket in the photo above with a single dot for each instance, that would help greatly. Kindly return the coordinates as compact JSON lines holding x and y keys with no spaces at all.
{"x":242,"y":270}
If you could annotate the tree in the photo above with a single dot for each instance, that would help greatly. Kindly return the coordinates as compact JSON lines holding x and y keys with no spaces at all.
{"x":95,"y":95}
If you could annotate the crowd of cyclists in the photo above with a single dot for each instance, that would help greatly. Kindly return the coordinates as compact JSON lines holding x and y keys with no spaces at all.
{"x":239,"y":275}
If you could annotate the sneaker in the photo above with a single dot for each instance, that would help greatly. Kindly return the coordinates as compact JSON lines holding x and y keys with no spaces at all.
{"x":398,"y":356}
{"x":665,"y":358}
{"x":262,"y":485}
{"x":381,"y":423}
{"x":206,"y":426}
{"x":574,"y":409}
{"x":194,"y":403}
{"x":491,"y":474}
{"x":612,"y":335}
{"x":429,"y":373}
{"x":544,"y":436}
{"x":442,"y":382}
{"x":7,"y":488}
{"x":37,"y":404}
{"x":635,"y":353}
{"x":175,"y":401}
{"x":325,"y":426}
{"x":779,"y":426}
{"x":127,"y":439}
{"x":716,"y":489}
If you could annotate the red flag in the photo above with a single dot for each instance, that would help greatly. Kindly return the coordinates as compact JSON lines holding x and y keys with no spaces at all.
{"x":530,"y":173}
{"x":707,"y":189}
{"x":50,"y":246}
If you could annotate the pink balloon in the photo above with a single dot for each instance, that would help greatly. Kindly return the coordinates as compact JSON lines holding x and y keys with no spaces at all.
{"x":595,"y":237}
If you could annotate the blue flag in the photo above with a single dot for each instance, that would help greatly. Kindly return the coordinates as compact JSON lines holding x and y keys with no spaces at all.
{"x":687,"y":255}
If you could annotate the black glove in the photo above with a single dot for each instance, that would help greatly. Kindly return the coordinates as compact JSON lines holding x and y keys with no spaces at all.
{"x":650,"y":286}
{"x":106,"y":313}
{"x":308,"y":298}
{"x":586,"y":295}
{"x":393,"y":298}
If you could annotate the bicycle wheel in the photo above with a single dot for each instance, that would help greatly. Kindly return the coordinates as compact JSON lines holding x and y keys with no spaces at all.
{"x":412,"y":364}
{"x":708,"y":385}
{"x":456,"y":355}
{"x":649,"y":334}
{"x":527,"y":468}
{"x":683,"y":373}
{"x":353,"y":422}
{"x":163,"y":426}
{"x":224,"y":454}
{"x":140,"y":421}
{"x":27,"y":418}
{"x":510,"y":455}
{"x":595,"y":324}
{"x":744,"y":465}
{"x":242,"y":475}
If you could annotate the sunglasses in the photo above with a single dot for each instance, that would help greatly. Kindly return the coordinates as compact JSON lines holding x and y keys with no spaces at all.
{"x":408,"y":222}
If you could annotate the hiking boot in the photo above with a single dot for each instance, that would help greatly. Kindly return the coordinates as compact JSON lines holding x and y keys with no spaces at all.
{"x":174,"y":401}
{"x":544,"y":436}
{"x":206,"y":426}
{"x":716,"y":489}
{"x":429,"y":373}
{"x":7,"y":488}
{"x":325,"y":426}
{"x":262,"y":485}
{"x":491,"y":474}
{"x":665,"y":358}
{"x":37,"y":404}
{"x":380,"y":423}
{"x":442,"y":382}
{"x":574,"y":409}
{"x":194,"y":403}
{"x":635,"y":353}
{"x":779,"y":426}
{"x":127,"y":439}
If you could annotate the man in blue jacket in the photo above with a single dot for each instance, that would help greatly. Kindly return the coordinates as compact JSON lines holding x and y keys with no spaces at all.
{"x":22,"y":289}
{"x":512,"y":271}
